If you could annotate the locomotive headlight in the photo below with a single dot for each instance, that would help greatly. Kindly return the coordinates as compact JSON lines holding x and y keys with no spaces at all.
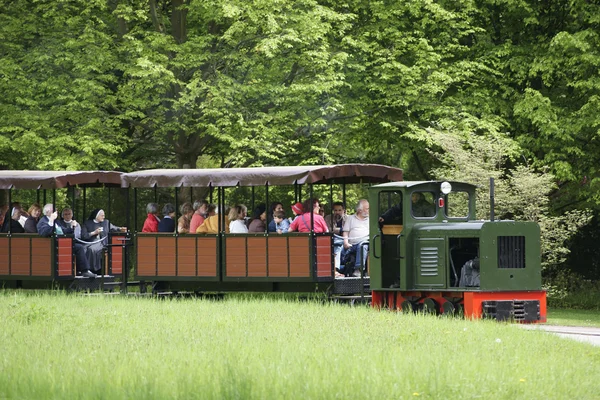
{"x":446,"y":187}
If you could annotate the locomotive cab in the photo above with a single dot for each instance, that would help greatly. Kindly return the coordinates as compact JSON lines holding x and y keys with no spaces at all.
{"x":407,"y":211}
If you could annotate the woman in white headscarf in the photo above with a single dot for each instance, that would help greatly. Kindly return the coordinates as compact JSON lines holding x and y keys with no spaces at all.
{"x":11,"y":220}
{"x":95,"y":230}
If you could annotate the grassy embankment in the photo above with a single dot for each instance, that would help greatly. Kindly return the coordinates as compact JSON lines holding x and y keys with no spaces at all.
{"x":68,"y":346}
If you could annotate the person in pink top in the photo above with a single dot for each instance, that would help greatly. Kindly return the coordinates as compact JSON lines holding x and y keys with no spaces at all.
{"x":302,"y":222}
{"x":200,"y":207}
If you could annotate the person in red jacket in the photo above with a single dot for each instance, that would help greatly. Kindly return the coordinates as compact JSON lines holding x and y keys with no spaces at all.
{"x":151,"y":222}
{"x":302,"y":223}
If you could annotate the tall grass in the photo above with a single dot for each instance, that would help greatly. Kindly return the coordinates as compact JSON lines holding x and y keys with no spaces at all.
{"x":68,"y":346}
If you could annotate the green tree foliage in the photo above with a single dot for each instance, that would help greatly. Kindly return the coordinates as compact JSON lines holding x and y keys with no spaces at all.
{"x":57,"y":82}
{"x":242,"y":81}
{"x":108,"y":83}
{"x":548,"y":55}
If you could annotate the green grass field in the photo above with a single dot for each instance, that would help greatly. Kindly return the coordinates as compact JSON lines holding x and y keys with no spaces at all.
{"x":558,"y":316}
{"x":70,"y":346}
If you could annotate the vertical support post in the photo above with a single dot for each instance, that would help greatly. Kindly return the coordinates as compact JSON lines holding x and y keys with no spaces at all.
{"x":311,"y":205}
{"x":252,"y":202}
{"x":268,"y":210}
{"x":125,"y":269}
{"x":108,"y":205}
{"x":83,"y":218}
{"x":311,"y":234}
{"x":73,"y":204}
{"x":135,"y":213}
{"x":331,"y":202}
{"x":9,"y":216}
{"x":176,"y":210}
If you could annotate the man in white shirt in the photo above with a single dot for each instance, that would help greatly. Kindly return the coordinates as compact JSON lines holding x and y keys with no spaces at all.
{"x":356,"y":237}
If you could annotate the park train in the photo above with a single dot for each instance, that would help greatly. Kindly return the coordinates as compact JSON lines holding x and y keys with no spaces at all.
{"x":437,"y":258}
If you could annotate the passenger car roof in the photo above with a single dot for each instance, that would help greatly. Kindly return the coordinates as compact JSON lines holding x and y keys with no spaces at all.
{"x":57,"y":179}
{"x":260,"y":176}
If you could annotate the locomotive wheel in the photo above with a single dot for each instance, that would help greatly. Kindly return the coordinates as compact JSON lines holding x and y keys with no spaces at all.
{"x":407,"y":306}
{"x":448,"y":308}
{"x":430,"y":306}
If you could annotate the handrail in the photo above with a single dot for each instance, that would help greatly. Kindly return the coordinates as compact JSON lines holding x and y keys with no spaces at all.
{"x":398,"y":256}
{"x":375,"y":247}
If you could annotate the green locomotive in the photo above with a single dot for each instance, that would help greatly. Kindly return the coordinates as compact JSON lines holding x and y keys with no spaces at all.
{"x":428,"y":251}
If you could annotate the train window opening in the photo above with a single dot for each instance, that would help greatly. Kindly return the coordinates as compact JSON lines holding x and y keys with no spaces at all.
{"x":456,"y":205}
{"x":423,"y":204}
{"x":389,"y":208}
{"x":463,"y":262}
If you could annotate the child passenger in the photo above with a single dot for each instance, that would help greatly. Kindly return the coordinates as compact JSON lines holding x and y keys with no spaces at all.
{"x":282,"y":224}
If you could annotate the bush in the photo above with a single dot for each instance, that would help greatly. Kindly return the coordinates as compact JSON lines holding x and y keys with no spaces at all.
{"x":570,"y":290}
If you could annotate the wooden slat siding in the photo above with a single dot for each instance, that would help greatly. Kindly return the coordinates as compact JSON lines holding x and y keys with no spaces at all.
{"x":186,"y":256}
{"x":167,"y":256}
{"x":116,"y":255}
{"x":257,"y":256}
{"x":299,"y":256}
{"x":20,"y":260}
{"x":324,"y":256}
{"x":146,"y":255}
{"x":278,"y":256}
{"x":236,"y":256}
{"x":64,"y":256}
{"x":4,"y":255}
{"x":41,"y":256}
{"x":207,"y":256}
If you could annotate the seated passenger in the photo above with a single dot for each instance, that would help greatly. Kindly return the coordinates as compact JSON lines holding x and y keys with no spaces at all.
{"x":275,"y":206}
{"x":34,"y":217}
{"x":211,"y":223}
{"x":183,"y":223}
{"x":95,"y":231}
{"x":282,"y":225}
{"x":237,"y":215}
{"x":258,"y":220}
{"x":356,"y":238}
{"x":421,"y":207}
{"x":3,"y":210}
{"x":49,"y":224}
{"x":335,"y":223}
{"x":151,"y":222}
{"x":23,"y":214}
{"x":302,"y":223}
{"x":297,"y":210}
{"x":392,"y":216}
{"x":68,"y":224}
{"x":167,"y":224}
{"x":200,"y":207}
{"x":11,"y":221}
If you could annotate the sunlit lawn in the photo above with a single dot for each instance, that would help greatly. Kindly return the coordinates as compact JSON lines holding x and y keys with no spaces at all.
{"x":557,"y":316}
{"x":70,"y":346}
